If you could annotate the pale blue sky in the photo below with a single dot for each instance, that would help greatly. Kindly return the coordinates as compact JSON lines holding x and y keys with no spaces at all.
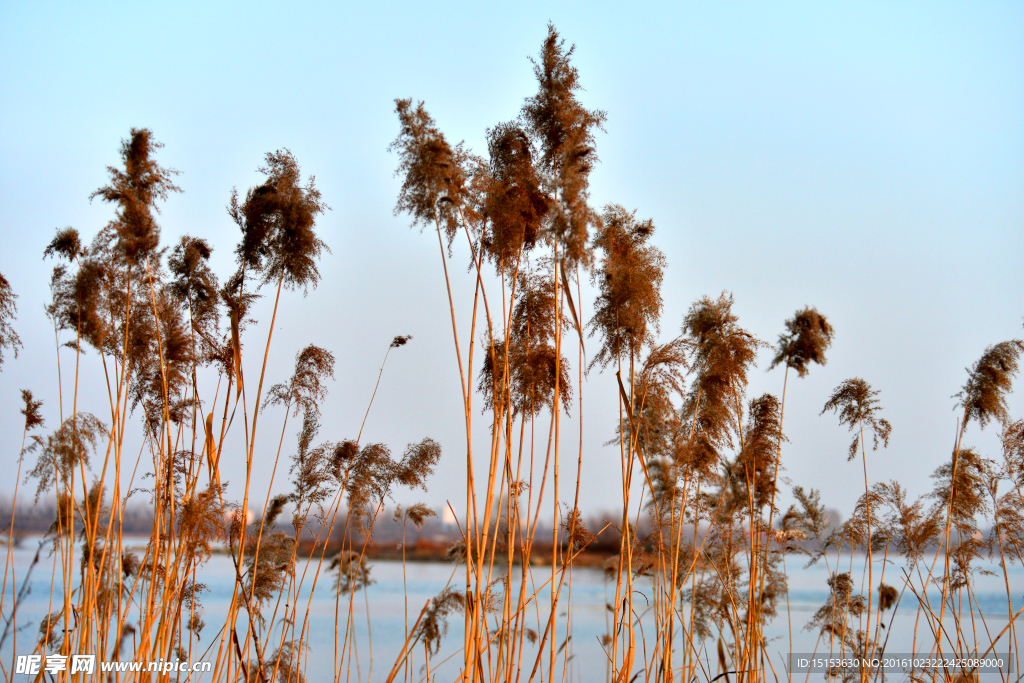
{"x":864,"y":158}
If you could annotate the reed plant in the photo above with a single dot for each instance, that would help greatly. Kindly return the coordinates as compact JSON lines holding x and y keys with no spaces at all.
{"x":700,"y":534}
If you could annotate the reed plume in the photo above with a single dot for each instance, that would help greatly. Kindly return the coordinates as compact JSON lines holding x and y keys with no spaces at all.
{"x":721,"y":355}
{"x":434,"y":626}
{"x":757,"y":460}
{"x":433,"y":173}
{"x":629,"y":303}
{"x":983,"y":396}
{"x":9,"y":339}
{"x":30,"y":410}
{"x":531,"y":361}
{"x":195,"y":286}
{"x":305,"y":390}
{"x":808,"y":336}
{"x":564,"y":130}
{"x":515,"y":204}
{"x":135,"y":190}
{"x":960,"y":491}
{"x":278,"y":220}
{"x":857,"y":406}
{"x":910,"y":526}
{"x":65,"y":449}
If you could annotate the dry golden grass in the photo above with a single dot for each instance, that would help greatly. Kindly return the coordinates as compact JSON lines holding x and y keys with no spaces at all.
{"x":704,"y":531}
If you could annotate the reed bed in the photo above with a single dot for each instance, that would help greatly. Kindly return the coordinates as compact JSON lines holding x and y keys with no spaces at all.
{"x":700,"y":532}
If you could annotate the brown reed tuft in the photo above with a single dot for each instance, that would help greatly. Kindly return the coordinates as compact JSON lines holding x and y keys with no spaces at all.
{"x":417,"y":514}
{"x":269,"y":559}
{"x":842,"y":603}
{"x":418,"y":463}
{"x":808,"y":336}
{"x":67,"y":244}
{"x":857,"y":404}
{"x":9,"y":339}
{"x":370,"y":473}
{"x":434,"y":626}
{"x":194,"y":284}
{"x":514,"y":204}
{"x":911,"y":526}
{"x":434,"y":174}
{"x":758,"y":459}
{"x":136,"y":190}
{"x":983,"y":396}
{"x":353,"y":572}
{"x":808,"y":517}
{"x":576,"y":534}
{"x":862,"y":529}
{"x":201,"y":521}
{"x":278,"y":224}
{"x":960,"y":491}
{"x":287,"y":661}
{"x":629,"y":276}
{"x":312,"y":470}
{"x":33,"y":418}
{"x":305,"y":390}
{"x":564,"y":130}
{"x":721,"y":355}
{"x":50,"y":636}
{"x":64,"y":449}
{"x":1012,"y":440}
{"x":887,"y":597}
{"x":531,"y":361}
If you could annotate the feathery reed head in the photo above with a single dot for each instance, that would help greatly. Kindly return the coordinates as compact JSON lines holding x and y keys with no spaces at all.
{"x":342,"y":456}
{"x":628,"y":306}
{"x":418,"y":514}
{"x":9,"y":339}
{"x":721,"y":355}
{"x":1012,"y":440}
{"x":305,"y":390}
{"x":576,"y":533}
{"x":50,"y":635}
{"x":434,"y":626}
{"x":313,"y":470}
{"x":989,"y":380}
{"x":193,"y":282}
{"x":278,"y":221}
{"x":400,"y":340}
{"x":808,"y":336}
{"x":136,"y":190}
{"x":201,"y":521}
{"x":274,"y":510}
{"x":564,"y":130}
{"x":33,"y":418}
{"x":269,"y":563}
{"x":529,"y":353}
{"x":65,"y":449}
{"x":960,"y":489}
{"x":912,"y":527}
{"x":857,"y":404}
{"x":418,"y":463}
{"x":433,"y":173}
{"x":65,"y":244}
{"x":82,"y":300}
{"x":887,"y":597}
{"x":515,"y":204}
{"x":353,"y":572}
{"x":371,"y":473}
{"x":758,"y":460}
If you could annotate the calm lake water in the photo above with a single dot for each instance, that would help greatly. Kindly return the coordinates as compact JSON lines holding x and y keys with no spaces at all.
{"x":590,"y":592}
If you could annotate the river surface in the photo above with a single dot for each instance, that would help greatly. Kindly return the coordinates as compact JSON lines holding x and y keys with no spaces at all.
{"x":385,"y":601}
